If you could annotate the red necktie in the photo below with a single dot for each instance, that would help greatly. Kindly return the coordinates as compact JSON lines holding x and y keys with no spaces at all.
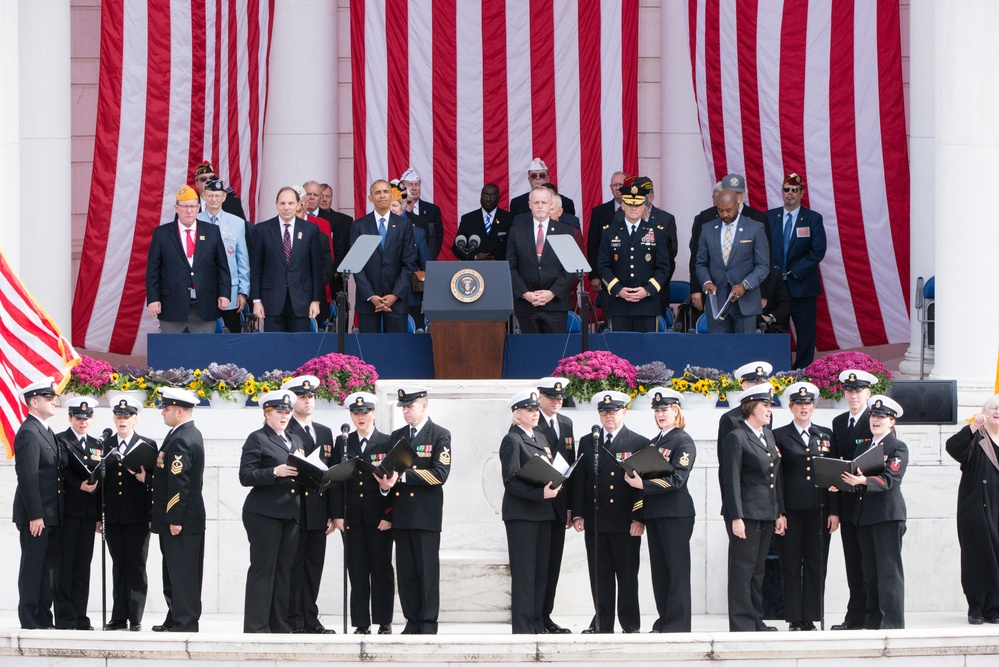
{"x":190,"y":244}
{"x":540,"y":242}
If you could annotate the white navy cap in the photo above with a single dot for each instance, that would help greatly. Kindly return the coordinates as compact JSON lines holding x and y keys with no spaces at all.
{"x":124,"y":405}
{"x":552,"y":387}
{"x":801,"y":392}
{"x":409,"y":394}
{"x":763,"y":392}
{"x":754,"y":371}
{"x":527,"y":399}
{"x":361,"y":401}
{"x":81,"y":407}
{"x":610,"y":401}
{"x":663,"y":397}
{"x":303,"y":385}
{"x":857,"y":379}
{"x":279,"y":399}
{"x":177,"y":396}
{"x":44,"y":388}
{"x":884,"y":406}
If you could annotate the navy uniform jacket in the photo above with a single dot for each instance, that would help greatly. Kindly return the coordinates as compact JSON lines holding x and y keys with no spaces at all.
{"x":523,"y":501}
{"x":388,"y":271}
{"x":275,"y":497}
{"x":848,"y":445}
{"x":750,"y":476}
{"x":808,"y":247}
{"x":177,"y":482}
{"x":272,"y":279}
{"x":566,"y":446}
{"x":169,"y":276}
{"x":493,"y":243}
{"x":641,"y":260}
{"x":126,"y":499}
{"x":619,"y":503}
{"x":317,"y":506}
{"x":800,"y":492}
{"x":418,"y":503}
{"x":366,"y":505}
{"x":668,"y":497}
{"x":881,"y":500}
{"x":79,"y":503}
{"x":530,"y":275}
{"x":39,"y":482}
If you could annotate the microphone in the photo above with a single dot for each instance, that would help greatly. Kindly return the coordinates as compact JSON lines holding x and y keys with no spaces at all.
{"x":344,"y":429}
{"x":595,"y":434}
{"x":460,"y":242}
{"x":473,"y":242}
{"x":105,"y":435}
{"x":815,"y":432}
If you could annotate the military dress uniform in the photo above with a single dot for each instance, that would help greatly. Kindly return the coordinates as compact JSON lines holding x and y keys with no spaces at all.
{"x":178,"y":479}
{"x":416,"y":511}
{"x":81,"y":514}
{"x":639,"y":259}
{"x":127,"y":504}
{"x":316,"y":515}
{"x":369,"y":550}
{"x":619,"y":505}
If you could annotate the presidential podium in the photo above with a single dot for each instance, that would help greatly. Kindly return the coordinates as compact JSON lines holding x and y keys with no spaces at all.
{"x":468,"y":305}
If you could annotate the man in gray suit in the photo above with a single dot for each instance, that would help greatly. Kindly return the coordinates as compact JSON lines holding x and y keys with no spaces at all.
{"x":733,"y":257}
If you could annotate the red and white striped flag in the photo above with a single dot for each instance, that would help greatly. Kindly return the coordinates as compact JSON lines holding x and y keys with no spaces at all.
{"x":469,"y":92}
{"x":181,"y":81}
{"x":815,"y":87}
{"x":31,"y":349}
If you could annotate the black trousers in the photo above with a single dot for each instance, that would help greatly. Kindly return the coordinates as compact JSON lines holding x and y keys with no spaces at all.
{"x":803,"y":550}
{"x":804,"y":313}
{"x":286,"y":320}
{"x":306,"y":576}
{"x":555,"y":551}
{"x":614,"y":573}
{"x":644,"y":324}
{"x":746,"y":566}
{"x":273,"y":543}
{"x":72,"y":590}
{"x":856,"y":606}
{"x":183,"y":574}
{"x":543,"y":321}
{"x":417,"y":560}
{"x":669,"y":557}
{"x":372,"y":577}
{"x":528,"y":544}
{"x":36,"y":576}
{"x":128,"y":544}
{"x":881,"y":549}
{"x":395,"y":321}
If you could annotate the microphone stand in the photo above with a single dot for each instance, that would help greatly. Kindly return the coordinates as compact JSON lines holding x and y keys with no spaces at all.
{"x":823,"y":549}
{"x":584,"y":313}
{"x":341,"y":317}
{"x":343,"y":459}
{"x":104,"y":542}
{"x":596,"y":434}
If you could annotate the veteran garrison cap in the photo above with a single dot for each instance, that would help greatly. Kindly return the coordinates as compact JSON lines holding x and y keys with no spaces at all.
{"x":410,"y":394}
{"x":361,"y":401}
{"x":610,"y":401}
{"x":303,"y":385}
{"x":734,"y":182}
{"x":204,"y":168}
{"x":552,"y":387}
{"x":794,"y":179}
{"x":852,"y":378}
{"x":214,"y":185}
{"x":884,"y":406}
{"x":81,"y":407}
{"x":179,"y":397}
{"x":124,"y":405}
{"x":527,"y":399}
{"x":279,"y":399}
{"x":754,"y":371}
{"x":187,"y":193}
{"x":44,"y":388}
{"x":801,"y":392}
{"x":663,"y":397}
{"x":763,"y":392}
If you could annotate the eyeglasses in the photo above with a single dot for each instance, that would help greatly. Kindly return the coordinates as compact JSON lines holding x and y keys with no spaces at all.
{"x":537,"y":175}
{"x":189,"y":207}
{"x":791,"y":188}
{"x":204,"y":178}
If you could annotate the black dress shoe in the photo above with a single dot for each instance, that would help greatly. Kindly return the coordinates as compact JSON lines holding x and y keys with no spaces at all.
{"x":320,"y":630}
{"x":794,"y":626}
{"x":298,"y":631}
{"x":589,"y":631}
{"x":88,"y":627}
{"x":807,"y":626}
{"x":975,"y":619}
{"x":992,"y":619}
{"x":135,"y":627}
{"x":161,"y":628}
{"x":553,"y":628}
{"x":767,"y":628}
{"x":385,"y":629}
{"x":630,"y":631}
{"x":363,"y":630}
{"x":116,"y":625}
{"x":847,"y":625}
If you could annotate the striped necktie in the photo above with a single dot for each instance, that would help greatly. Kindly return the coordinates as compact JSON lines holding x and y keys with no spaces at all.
{"x":727,"y":241}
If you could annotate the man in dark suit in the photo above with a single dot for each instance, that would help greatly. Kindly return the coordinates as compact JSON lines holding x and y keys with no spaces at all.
{"x":540,"y":284}
{"x":178,"y":515}
{"x":798,"y":244}
{"x":557,"y":429}
{"x":361,"y":518}
{"x":316,"y":519}
{"x":616,"y":519}
{"x":38,"y":504}
{"x":81,"y":515}
{"x":474,"y":223}
{"x":187,"y":273}
{"x":737,"y":184}
{"x":416,"y":511}
{"x":733,"y":256}
{"x":852,"y":437}
{"x":286,"y":268}
{"x":537,"y":175}
{"x":383,"y":284}
{"x":206,"y":172}
{"x":600,"y":216}
{"x":634,"y":263}
{"x":127,"y":502}
{"x":425,"y":214}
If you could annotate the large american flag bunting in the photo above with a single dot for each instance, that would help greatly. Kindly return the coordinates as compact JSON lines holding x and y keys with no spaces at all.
{"x":31,"y":349}
{"x":815,"y":87}
{"x":469,"y":92}
{"x":181,"y":81}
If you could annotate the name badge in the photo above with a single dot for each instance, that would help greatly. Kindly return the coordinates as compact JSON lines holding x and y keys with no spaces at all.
{"x":803,"y":232}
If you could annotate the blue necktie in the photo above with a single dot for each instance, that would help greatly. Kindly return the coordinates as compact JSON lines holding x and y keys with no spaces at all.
{"x":788,"y":226}
{"x":487,"y":221}
{"x":382,"y":230}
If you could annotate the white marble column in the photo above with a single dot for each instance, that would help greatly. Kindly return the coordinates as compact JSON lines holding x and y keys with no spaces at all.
{"x":10,"y":152}
{"x":300,"y":133}
{"x":45,"y":139}
{"x":967,"y":236}
{"x":922,"y":63}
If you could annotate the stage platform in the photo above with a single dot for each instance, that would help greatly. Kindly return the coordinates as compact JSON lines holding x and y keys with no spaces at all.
{"x":931,"y":640}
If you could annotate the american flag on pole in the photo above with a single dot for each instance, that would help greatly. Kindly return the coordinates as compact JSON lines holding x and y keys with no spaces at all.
{"x":31,"y":349}
{"x":815,"y":87}
{"x":181,"y":81}
{"x":469,"y":92}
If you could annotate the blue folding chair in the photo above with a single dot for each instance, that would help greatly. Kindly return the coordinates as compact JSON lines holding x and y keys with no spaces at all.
{"x":679,"y":291}
{"x":573,"y":324}
{"x":702,"y":323}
